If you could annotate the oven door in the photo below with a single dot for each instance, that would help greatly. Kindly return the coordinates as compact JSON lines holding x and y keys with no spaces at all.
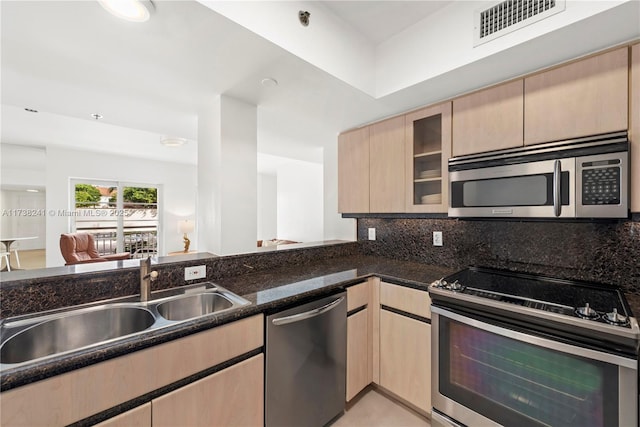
{"x":538,"y":189}
{"x":486,"y":374}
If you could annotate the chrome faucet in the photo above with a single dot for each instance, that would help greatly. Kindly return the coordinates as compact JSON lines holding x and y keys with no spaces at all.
{"x":146,"y":277}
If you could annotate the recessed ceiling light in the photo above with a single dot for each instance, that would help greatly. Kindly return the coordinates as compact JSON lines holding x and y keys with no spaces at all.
{"x":171,"y":141}
{"x":31,"y":110}
{"x":129,"y":10}
{"x":32,"y":190}
{"x":269,"y":82}
{"x":96,"y":116}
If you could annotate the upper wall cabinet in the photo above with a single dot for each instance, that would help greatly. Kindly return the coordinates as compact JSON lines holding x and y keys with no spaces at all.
{"x":427,"y":151}
{"x":491,"y":119}
{"x":386,"y":166}
{"x":583,"y":98}
{"x":634,"y":127}
{"x":353,"y":171}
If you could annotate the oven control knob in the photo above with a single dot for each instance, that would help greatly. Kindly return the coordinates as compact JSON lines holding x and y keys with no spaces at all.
{"x":455,"y":286}
{"x":440,"y":283}
{"x":616,"y":318}
{"x":587,"y":312}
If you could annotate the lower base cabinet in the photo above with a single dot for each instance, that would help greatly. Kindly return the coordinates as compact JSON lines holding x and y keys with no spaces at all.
{"x":405,"y":358}
{"x":231,"y":397}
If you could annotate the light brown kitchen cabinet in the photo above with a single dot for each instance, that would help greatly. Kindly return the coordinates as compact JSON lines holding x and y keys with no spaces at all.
{"x":386,"y":166}
{"x":427,"y":151}
{"x":78,"y":394}
{"x":405,"y":358}
{"x":231,"y":397}
{"x":359,"y":338}
{"x":353,"y":171}
{"x":586,"y":97}
{"x":490,"y":119}
{"x":358,"y":349}
{"x":138,"y":417}
{"x":634,"y":127}
{"x":405,"y":344}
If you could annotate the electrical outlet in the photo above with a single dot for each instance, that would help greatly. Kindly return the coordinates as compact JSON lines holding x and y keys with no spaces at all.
{"x":437,"y":238}
{"x":372,"y":234}
{"x":196,"y":272}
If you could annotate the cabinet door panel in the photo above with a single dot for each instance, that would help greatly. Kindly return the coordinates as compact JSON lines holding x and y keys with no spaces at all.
{"x":405,"y":358}
{"x":491,"y":119}
{"x":358,"y":345}
{"x":386,"y":173}
{"x":634,"y":127}
{"x":231,"y":397}
{"x":358,"y":295}
{"x":583,"y":98}
{"x":427,"y":151}
{"x":353,"y":171}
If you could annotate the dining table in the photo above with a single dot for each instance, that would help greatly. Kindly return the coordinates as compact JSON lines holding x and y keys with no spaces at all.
{"x":8,"y":241}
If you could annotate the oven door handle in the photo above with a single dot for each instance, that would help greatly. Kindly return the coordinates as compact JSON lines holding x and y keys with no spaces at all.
{"x":557,"y":188}
{"x":535,"y":340}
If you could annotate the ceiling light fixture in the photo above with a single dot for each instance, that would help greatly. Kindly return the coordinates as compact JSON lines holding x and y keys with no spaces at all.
{"x":96,"y":116}
{"x":129,"y":10}
{"x":171,"y":141}
{"x":32,"y":190}
{"x":269,"y":82}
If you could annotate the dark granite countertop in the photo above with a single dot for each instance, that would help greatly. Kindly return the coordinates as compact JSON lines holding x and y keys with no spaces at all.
{"x":268,"y":291}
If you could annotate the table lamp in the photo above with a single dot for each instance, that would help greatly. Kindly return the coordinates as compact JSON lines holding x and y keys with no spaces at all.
{"x":186,"y":226}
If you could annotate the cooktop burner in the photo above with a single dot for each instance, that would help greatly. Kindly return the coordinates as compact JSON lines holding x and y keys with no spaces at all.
{"x":573,"y":299}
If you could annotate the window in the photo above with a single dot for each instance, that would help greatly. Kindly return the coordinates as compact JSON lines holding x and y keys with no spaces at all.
{"x":122,"y":217}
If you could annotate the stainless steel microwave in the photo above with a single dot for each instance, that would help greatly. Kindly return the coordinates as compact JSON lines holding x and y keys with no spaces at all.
{"x":579,"y":178}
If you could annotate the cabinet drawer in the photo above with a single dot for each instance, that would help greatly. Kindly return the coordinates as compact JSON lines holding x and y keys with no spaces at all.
{"x":357,"y":296}
{"x":406,"y":299}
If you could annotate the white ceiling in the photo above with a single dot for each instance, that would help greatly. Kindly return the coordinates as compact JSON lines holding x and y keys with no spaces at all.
{"x":69,"y":59}
{"x":380,"y":20}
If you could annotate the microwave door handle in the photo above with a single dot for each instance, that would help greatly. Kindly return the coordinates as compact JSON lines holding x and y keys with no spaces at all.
{"x":557,"y":187}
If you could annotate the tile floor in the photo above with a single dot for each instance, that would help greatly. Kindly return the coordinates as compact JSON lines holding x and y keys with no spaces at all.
{"x":374,"y":409}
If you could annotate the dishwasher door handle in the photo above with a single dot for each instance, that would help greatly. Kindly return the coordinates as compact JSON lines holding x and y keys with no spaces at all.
{"x":307,"y":314}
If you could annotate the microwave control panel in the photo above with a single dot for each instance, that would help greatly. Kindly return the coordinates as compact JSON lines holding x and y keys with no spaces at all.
{"x":601,"y":182}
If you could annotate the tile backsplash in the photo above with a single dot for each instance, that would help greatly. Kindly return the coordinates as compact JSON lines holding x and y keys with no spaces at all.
{"x":594,"y":251}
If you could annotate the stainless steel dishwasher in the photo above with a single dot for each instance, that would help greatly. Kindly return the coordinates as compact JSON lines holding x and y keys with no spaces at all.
{"x":306,"y":363}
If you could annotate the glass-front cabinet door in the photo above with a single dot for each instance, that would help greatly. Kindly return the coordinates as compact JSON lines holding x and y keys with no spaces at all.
{"x":428,"y":148}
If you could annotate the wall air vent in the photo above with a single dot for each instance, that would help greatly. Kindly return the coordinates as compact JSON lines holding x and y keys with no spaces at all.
{"x":510,"y":15}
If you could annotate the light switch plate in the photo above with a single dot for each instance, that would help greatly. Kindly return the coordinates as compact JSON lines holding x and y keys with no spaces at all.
{"x":196,"y":272}
{"x":437,"y":238}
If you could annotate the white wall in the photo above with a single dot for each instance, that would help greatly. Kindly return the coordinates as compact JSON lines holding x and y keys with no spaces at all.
{"x":443,"y":42}
{"x":300,"y":202}
{"x":177,"y":198}
{"x":267,"y":206}
{"x":14,"y":224}
{"x":335,"y":227}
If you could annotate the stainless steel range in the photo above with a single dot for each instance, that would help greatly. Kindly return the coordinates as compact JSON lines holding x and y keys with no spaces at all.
{"x":519,"y":349}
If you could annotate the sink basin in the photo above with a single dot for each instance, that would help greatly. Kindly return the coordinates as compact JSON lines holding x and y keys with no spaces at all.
{"x":69,"y":332}
{"x":191,"y":306}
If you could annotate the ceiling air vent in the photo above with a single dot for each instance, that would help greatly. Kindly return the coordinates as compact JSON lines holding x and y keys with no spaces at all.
{"x":511,"y":15}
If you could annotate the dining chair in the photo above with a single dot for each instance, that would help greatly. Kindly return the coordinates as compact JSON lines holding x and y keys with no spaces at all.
{"x":5,"y":255}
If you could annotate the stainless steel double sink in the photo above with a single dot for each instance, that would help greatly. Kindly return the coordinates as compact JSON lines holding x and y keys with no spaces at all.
{"x":27,"y":338}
